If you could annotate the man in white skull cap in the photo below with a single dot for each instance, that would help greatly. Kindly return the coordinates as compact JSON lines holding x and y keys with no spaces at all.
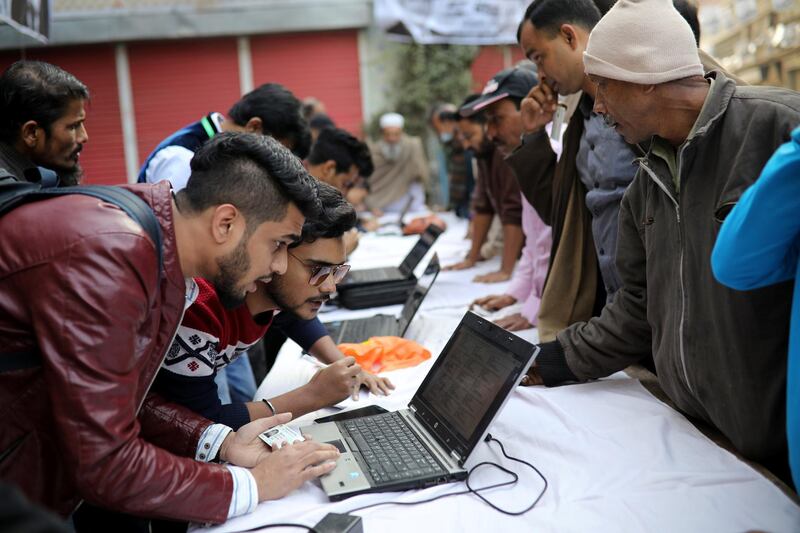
{"x":401,"y":170}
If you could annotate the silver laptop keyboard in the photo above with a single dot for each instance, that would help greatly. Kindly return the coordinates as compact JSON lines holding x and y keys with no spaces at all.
{"x":359,"y":330}
{"x":390,"y":449}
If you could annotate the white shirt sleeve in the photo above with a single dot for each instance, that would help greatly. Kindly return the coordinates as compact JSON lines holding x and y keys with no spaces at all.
{"x":245,"y":491}
{"x":210,"y":442}
{"x":171,"y":163}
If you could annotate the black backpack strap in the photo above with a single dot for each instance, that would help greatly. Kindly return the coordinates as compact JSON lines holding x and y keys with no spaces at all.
{"x":132,"y":205}
{"x":19,"y":361}
{"x":18,"y":193}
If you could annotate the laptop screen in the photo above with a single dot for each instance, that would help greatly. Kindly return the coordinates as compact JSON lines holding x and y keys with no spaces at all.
{"x":470,"y":382}
{"x":414,"y":300}
{"x":423,"y":244}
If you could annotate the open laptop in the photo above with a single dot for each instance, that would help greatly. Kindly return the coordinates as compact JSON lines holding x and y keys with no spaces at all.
{"x":402,"y":272}
{"x":361,"y":329}
{"x":402,"y":215}
{"x":451,"y":412}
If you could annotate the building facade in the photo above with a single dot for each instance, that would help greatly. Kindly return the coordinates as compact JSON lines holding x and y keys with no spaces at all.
{"x":153,"y":66}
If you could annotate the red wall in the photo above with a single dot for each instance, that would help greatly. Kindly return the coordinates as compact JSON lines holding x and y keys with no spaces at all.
{"x":177,"y":82}
{"x":102,"y":158}
{"x":490,"y":61}
{"x":320,"y":64}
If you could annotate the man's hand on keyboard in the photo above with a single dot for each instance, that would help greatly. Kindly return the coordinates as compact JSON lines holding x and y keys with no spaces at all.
{"x":284,"y":470}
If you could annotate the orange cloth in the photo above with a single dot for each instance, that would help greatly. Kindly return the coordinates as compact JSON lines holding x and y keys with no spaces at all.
{"x":380,"y":354}
{"x":418,"y":225}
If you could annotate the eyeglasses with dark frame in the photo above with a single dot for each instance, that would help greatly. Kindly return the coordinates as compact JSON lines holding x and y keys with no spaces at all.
{"x":320,"y":273}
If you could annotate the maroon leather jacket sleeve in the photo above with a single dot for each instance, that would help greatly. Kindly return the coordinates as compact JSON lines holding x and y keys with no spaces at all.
{"x":86,"y":316}
{"x":171,"y":426}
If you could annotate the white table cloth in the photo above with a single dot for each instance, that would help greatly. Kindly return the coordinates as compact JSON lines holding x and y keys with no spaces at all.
{"x":616,"y":458}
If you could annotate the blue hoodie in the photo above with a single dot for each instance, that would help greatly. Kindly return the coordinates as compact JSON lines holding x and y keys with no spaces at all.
{"x":759,"y":245}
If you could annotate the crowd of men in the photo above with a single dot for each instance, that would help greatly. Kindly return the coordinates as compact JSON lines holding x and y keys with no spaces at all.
{"x":638,"y":196}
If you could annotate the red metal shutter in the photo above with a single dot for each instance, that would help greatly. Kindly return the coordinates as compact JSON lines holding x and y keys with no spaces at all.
{"x":320,"y":64}
{"x":177,"y":82}
{"x":490,"y":61}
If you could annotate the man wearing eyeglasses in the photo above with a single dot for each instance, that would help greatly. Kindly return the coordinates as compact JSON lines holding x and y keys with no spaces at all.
{"x":211,"y":337}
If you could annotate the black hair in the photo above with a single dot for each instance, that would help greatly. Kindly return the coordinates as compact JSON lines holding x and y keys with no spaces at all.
{"x":688,"y":11}
{"x":309,"y":107}
{"x":604,"y":5}
{"x":34,"y":90}
{"x":280,"y":114}
{"x":337,"y":145}
{"x":335,"y":218}
{"x":255,"y":173}
{"x":549,"y":15}
{"x":477,"y":118}
{"x":321,"y":121}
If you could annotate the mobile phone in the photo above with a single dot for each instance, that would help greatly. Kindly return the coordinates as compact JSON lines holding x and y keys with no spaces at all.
{"x":355,"y":413}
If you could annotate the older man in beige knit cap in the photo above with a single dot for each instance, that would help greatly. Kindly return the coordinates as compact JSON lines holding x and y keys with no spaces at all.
{"x":720,"y":354}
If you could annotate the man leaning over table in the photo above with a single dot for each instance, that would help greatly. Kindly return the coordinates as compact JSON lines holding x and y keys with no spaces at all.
{"x":527,"y":282}
{"x":577,"y":194}
{"x":341,"y":160}
{"x":87,"y":296}
{"x":720,"y":355}
{"x":269,"y":109}
{"x":496,"y":189}
{"x":211,"y":335}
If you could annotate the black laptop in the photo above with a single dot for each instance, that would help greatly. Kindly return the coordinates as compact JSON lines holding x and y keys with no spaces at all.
{"x":451,"y":412}
{"x":402,"y":215}
{"x":361,"y":329}
{"x":399,"y":273}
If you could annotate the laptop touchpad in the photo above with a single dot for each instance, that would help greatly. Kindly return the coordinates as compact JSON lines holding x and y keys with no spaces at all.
{"x":339,"y":445}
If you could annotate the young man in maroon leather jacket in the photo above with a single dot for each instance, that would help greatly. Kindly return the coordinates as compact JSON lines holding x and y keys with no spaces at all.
{"x":79,"y":285}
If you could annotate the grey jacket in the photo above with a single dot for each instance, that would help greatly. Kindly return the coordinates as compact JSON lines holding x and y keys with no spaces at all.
{"x":720,"y":354}
{"x":604,"y":167}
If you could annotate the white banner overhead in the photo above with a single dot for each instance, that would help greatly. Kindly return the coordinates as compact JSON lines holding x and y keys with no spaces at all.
{"x":31,"y":17}
{"x":477,"y":22}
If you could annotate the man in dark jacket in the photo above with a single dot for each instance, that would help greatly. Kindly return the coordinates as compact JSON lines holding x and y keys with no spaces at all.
{"x":581,"y":191}
{"x":42,"y":132}
{"x":87,"y":296}
{"x":496,"y":189}
{"x":720,"y":354}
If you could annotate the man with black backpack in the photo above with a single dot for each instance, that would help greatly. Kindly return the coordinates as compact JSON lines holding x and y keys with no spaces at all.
{"x":42,"y":131}
{"x":89,"y":304}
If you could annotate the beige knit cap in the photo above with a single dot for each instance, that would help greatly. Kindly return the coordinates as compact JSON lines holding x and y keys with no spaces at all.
{"x":642,"y":41}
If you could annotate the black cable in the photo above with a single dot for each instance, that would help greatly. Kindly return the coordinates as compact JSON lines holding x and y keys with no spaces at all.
{"x":489,"y":438}
{"x":476,"y":492}
{"x":266,"y":526}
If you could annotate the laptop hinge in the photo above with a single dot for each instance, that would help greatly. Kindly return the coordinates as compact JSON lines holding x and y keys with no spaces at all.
{"x":455,"y":457}
{"x":412,"y":408}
